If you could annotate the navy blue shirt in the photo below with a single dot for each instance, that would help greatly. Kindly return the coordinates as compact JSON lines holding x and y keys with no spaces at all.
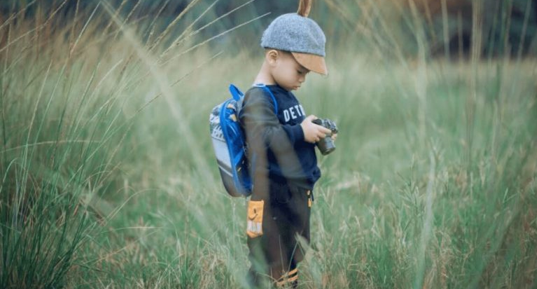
{"x":275,"y":142}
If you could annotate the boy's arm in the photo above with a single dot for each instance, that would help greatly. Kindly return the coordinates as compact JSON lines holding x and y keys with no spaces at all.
{"x":262,"y":126}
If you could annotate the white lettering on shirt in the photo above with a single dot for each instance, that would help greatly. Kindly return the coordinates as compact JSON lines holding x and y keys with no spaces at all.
{"x":293,"y":112}
{"x":286,"y":115}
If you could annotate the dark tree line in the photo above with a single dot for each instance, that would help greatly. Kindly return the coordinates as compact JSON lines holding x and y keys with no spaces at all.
{"x":508,"y":26}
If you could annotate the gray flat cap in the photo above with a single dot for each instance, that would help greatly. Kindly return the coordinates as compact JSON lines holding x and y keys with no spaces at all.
{"x":299,"y":35}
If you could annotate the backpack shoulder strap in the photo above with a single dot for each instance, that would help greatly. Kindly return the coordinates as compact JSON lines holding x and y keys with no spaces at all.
{"x":235,"y":92}
{"x":238,"y":95}
{"x":264,"y":87}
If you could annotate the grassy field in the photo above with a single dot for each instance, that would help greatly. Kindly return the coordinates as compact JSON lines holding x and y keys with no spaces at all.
{"x":108,"y":179}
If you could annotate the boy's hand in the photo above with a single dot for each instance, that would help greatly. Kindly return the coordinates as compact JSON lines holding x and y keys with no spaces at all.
{"x":312,"y":132}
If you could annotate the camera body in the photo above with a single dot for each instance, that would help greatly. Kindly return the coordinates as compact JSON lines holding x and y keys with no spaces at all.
{"x":326,"y":145}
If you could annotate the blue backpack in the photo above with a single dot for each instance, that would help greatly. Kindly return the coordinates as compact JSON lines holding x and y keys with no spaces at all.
{"x":229,"y":143}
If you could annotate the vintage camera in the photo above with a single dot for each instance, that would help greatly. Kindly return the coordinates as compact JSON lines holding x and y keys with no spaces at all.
{"x":326,"y":145}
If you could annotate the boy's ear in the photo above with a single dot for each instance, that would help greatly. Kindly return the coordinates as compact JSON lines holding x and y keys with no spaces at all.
{"x":271,"y":56}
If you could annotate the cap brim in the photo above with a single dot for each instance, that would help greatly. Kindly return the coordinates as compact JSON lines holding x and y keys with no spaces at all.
{"x":312,"y":62}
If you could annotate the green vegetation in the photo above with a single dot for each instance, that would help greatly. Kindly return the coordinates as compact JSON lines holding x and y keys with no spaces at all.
{"x":107,"y":177}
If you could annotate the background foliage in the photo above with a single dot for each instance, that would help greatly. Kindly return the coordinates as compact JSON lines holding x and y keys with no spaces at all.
{"x":506,"y":26}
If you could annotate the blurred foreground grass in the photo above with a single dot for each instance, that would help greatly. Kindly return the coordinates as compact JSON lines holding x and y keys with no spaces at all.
{"x":109,"y":181}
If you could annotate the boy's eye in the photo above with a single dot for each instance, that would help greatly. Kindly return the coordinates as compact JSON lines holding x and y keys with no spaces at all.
{"x":299,"y":72}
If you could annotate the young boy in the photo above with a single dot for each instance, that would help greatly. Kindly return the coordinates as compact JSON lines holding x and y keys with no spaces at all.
{"x":281,"y":150}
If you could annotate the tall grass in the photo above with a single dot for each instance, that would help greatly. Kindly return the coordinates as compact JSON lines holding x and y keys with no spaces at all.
{"x":108,"y":177}
{"x":71,"y":94}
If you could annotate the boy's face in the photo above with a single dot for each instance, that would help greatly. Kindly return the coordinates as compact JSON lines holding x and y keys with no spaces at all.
{"x":286,"y":71}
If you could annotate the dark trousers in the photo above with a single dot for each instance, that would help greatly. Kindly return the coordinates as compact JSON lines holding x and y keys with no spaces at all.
{"x":276,"y":251}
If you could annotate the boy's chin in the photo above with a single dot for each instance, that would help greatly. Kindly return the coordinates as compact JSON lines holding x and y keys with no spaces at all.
{"x":289,"y":88}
